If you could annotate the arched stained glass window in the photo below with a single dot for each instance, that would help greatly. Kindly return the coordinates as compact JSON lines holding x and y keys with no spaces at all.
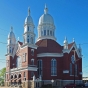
{"x":39,"y":68}
{"x":53,"y":67}
{"x":70,"y":68}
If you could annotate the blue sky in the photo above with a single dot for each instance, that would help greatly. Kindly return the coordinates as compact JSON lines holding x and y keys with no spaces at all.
{"x":70,"y":18}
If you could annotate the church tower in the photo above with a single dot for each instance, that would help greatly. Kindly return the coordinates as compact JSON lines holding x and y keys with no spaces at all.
{"x":46,"y":27}
{"x":29,"y":36}
{"x":29,"y":48}
{"x":11,"y":42}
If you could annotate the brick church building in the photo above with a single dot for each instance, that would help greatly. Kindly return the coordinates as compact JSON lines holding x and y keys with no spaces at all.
{"x":33,"y":64}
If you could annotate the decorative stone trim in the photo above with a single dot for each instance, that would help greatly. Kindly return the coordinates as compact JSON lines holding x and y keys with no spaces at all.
{"x":23,"y":69}
{"x":50,"y":55}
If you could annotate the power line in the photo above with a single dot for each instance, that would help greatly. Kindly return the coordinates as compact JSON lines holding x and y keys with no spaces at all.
{"x":4,"y":30}
{"x":3,"y":43}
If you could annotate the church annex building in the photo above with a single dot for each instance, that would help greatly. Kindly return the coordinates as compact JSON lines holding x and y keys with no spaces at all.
{"x":33,"y":64}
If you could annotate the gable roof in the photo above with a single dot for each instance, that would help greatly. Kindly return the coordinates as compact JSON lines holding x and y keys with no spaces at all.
{"x":70,"y":45}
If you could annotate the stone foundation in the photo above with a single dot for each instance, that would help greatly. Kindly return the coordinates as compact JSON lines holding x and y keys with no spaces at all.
{"x":38,"y":84}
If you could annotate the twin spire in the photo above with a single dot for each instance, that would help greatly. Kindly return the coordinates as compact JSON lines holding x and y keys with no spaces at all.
{"x":45,"y":10}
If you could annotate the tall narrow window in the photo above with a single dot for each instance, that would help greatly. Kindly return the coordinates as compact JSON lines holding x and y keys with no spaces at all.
{"x":32,"y":61}
{"x":10,"y":49}
{"x":44,"y":32}
{"x":32,"y":52}
{"x":28,"y":39}
{"x":32,"y":40}
{"x":70,"y":68}
{"x":47,"y":32}
{"x":39,"y":68}
{"x":53,"y":67}
{"x":51,"y":33}
{"x":76,"y":69}
{"x":28,"y":28}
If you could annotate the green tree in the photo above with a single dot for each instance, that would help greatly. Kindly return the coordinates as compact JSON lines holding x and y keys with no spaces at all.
{"x":2,"y":75}
{"x":2,"y":72}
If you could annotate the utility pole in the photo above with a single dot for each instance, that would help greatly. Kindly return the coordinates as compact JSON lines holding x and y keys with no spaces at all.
{"x":74,"y":61}
{"x":74,"y":67}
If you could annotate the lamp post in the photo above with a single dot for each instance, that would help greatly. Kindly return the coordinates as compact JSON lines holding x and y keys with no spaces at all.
{"x":52,"y":82}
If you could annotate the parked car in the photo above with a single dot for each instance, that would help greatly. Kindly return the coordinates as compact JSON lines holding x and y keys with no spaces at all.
{"x":86,"y":84}
{"x":80,"y":85}
{"x":69,"y":86}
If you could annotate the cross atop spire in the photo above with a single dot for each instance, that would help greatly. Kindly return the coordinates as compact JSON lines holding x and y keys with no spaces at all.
{"x":73,"y":40}
{"x":65,"y":38}
{"x":28,"y":11}
{"x":46,"y":9}
{"x":11,"y":28}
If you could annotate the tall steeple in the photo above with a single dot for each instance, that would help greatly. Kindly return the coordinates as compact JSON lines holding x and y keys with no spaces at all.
{"x":11,"y":41}
{"x":65,"y":43}
{"x":29,"y":36}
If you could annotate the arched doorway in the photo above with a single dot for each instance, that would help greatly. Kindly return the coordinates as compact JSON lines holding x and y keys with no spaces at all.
{"x":19,"y":79}
{"x":11,"y":80}
{"x":15,"y":79}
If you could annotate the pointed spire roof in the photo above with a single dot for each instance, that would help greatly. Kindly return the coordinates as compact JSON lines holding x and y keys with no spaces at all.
{"x":28,"y":11}
{"x":11,"y":34}
{"x":45,"y":10}
{"x":11,"y":29}
{"x":73,"y":40}
{"x":29,"y":19}
{"x":65,"y":40}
